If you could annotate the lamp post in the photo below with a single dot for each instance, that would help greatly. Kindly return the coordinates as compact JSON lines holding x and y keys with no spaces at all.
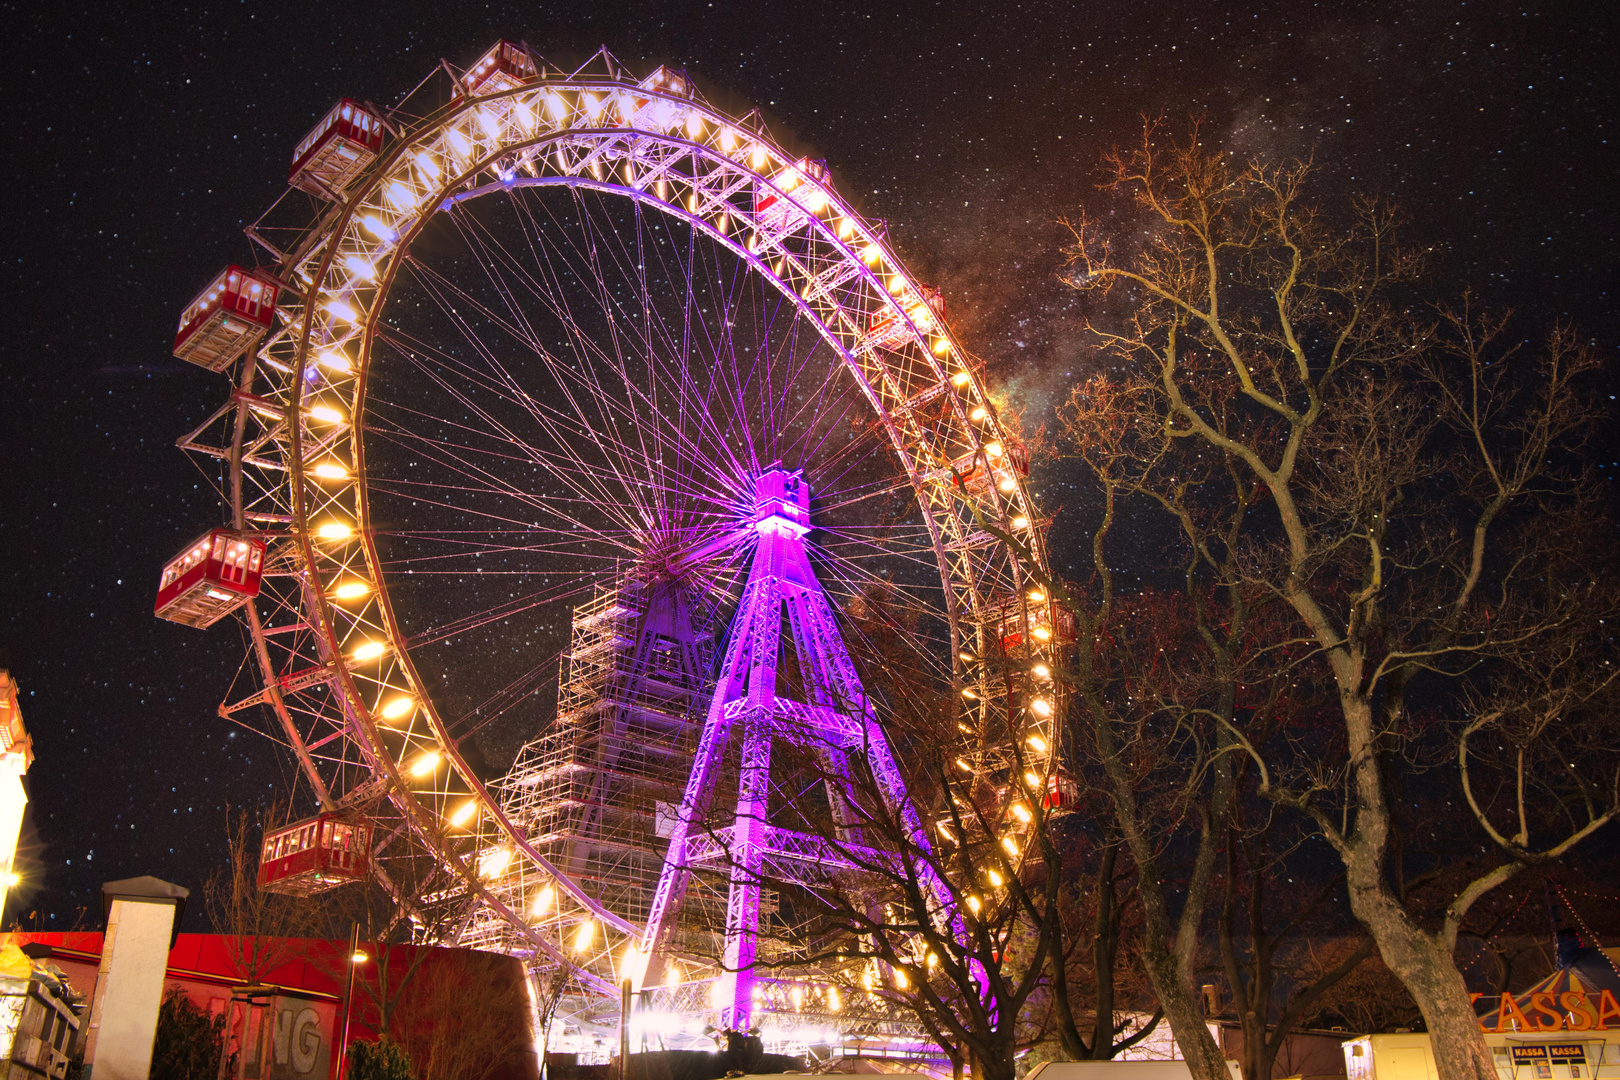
{"x":356,"y":958}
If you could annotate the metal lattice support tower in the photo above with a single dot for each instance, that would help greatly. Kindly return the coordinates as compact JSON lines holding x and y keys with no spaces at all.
{"x":836,"y":723}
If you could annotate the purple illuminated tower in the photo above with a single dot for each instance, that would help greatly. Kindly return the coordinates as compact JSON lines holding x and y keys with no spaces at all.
{"x":833,"y":722}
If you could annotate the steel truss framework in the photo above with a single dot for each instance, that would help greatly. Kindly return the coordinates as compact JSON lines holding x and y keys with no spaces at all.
{"x":338,"y":684}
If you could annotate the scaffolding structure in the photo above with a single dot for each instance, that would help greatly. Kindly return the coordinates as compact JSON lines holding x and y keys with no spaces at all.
{"x":596,"y":792}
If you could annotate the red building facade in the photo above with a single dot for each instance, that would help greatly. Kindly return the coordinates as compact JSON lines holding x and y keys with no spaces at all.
{"x":292,"y":1029}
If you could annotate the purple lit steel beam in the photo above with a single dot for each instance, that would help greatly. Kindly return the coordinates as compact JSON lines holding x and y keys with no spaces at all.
{"x":838,"y":717}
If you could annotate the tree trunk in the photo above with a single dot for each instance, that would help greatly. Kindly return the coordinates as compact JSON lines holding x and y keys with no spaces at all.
{"x":1167,"y":970}
{"x":1422,"y":961}
{"x":1105,"y":941}
{"x":1425,"y":965}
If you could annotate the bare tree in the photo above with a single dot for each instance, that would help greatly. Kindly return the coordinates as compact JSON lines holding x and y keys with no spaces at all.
{"x":466,"y":1019}
{"x":1100,"y":1006}
{"x":262,"y":929}
{"x":1417,"y":515}
{"x":1276,"y":973}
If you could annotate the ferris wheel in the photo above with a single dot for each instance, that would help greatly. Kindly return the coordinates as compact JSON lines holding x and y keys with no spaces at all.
{"x":537,"y":366}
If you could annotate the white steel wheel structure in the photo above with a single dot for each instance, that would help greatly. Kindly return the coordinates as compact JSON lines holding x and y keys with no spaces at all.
{"x":535,"y":349}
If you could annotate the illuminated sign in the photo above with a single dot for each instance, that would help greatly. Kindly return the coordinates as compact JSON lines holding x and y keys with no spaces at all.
{"x":1570,"y":1011}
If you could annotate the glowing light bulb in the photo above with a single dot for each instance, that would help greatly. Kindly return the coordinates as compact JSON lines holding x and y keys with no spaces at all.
{"x":1041,"y":671}
{"x":464,"y":813}
{"x":458,"y":142}
{"x":835,"y":1001}
{"x":351,"y":590}
{"x":992,"y":450}
{"x":542,"y":901}
{"x":1010,"y":846}
{"x":368,"y":650}
{"x":961,"y":379}
{"x":900,"y":979}
{"x":1021,"y":812}
{"x":694,"y":124}
{"x":846,"y":228}
{"x":397,"y":708}
{"x":334,"y":530}
{"x":941,"y":346}
{"x":1032,"y":780}
{"x":341,"y":309}
{"x":425,"y":764}
{"x":428,"y":167}
{"x":1037,"y":743}
{"x":995,"y":879}
{"x":728,"y":140}
{"x":1036,"y":596}
{"x":494,"y":862}
{"x":374,"y":225}
{"x":331,"y":470}
{"x":1041,"y":707}
{"x":757,"y":158}
{"x":973,"y":904}
{"x":362,"y":268}
{"x":672,"y":974}
{"x":896,"y":283}
{"x":334,"y":360}
{"x":1040,"y":633}
{"x":869,"y":254}
{"x":1007,"y":485}
{"x":325,"y":413}
{"x":1020,"y":522}
{"x":979,"y":413}
{"x":584,"y":935}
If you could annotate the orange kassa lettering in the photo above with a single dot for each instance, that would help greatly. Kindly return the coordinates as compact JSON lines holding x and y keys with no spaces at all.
{"x":1607,"y":1007}
{"x":1542,"y":1004}
{"x":1510,"y":1011}
{"x":1579,"y":1008}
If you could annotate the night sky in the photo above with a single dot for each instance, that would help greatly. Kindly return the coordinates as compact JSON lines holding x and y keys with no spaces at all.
{"x":142,"y":137}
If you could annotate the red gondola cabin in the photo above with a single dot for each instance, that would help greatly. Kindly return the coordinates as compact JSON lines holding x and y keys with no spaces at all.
{"x":505,"y":67}
{"x":226,"y":319}
{"x":1045,"y":623}
{"x":889,"y":331}
{"x":315,"y":855}
{"x":210,"y":579}
{"x":998,"y":469}
{"x":336,"y":150}
{"x":1062,"y":793}
{"x":775,"y":212}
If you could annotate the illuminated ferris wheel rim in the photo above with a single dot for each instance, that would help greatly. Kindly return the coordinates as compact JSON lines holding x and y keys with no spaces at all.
{"x":838,"y":272}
